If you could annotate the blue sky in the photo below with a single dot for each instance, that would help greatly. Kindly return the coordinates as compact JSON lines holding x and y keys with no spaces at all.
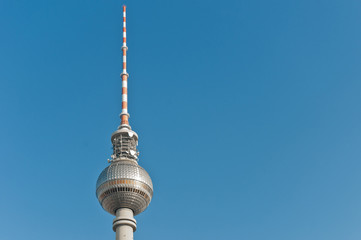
{"x":248,"y":114}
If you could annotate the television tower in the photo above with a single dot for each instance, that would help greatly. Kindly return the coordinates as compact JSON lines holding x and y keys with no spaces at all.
{"x":124,"y":189}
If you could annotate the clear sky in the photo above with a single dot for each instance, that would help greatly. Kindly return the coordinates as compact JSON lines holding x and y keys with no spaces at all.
{"x":248,"y":113}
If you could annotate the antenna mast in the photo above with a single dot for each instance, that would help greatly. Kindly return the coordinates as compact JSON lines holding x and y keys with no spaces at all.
{"x":124,"y":76}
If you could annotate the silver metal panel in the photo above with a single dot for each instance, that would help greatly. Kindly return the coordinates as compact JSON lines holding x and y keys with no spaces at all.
{"x":124,"y":169}
{"x":124,"y":184}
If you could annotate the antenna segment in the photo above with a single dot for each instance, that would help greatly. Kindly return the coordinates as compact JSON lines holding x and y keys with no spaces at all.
{"x":124,"y":76}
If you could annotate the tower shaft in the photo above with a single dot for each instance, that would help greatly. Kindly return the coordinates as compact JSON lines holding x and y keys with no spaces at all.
{"x":124,"y":224}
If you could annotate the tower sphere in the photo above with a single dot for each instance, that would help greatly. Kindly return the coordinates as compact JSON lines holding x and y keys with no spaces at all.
{"x":124,"y":184}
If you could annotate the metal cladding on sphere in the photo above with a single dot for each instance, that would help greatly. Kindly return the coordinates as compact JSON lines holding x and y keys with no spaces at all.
{"x":124,"y":184}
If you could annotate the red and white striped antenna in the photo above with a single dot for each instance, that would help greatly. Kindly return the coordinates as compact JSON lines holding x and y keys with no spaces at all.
{"x":124,"y":76}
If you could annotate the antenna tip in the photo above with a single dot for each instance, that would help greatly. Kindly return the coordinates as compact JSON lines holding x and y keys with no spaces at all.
{"x":124,"y":7}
